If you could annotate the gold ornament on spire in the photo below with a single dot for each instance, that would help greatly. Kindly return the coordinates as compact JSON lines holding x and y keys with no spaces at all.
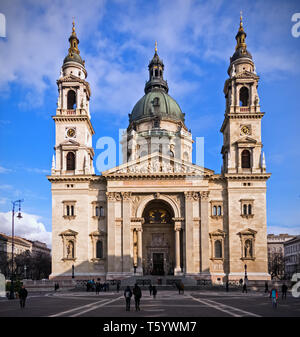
{"x":73,"y":41}
{"x":241,"y":36}
{"x":155,"y":49}
{"x":241,"y":20}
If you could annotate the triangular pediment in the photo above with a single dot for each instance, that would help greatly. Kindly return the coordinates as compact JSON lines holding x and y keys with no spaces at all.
{"x":68,"y":232}
{"x":248,"y":231}
{"x":246,"y":140}
{"x":218,"y":232}
{"x":70,"y":142}
{"x":247,"y":74}
{"x":156,"y":163}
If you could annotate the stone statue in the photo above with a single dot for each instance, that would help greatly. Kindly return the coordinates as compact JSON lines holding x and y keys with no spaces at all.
{"x":233,"y":73}
{"x":248,"y":249}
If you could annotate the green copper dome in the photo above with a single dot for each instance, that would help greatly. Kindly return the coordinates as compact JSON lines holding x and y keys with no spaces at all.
{"x":156,"y":103}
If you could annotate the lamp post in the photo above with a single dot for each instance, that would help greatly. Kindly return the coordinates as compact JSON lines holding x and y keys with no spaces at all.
{"x":19,"y":216}
{"x":245,"y":272}
{"x":73,"y":270}
{"x":25,"y":268}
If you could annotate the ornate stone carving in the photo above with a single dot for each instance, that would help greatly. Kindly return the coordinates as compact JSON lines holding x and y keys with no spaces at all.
{"x":157,"y":166}
{"x":135,"y":201}
{"x":191,"y":195}
{"x":126,"y":195}
{"x":156,"y":195}
{"x":113,"y":196}
{"x":204,"y":195}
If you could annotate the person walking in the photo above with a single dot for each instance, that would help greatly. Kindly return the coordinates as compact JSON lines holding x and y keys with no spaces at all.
{"x":227,"y":286}
{"x":137,"y":292}
{"x":150,"y":289}
{"x":22,"y":296}
{"x":284,"y":289}
{"x":154,"y":291}
{"x":274,"y":297}
{"x":98,"y":286}
{"x":127,"y":295}
{"x":118,"y":286}
{"x":266,"y":287}
{"x":245,"y":287}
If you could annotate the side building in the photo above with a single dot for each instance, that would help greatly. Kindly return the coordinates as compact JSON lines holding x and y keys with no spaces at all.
{"x":292,"y":256}
{"x":276,"y":258}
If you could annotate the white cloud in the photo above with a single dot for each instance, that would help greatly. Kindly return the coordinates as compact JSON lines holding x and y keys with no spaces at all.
{"x":188,"y":33}
{"x":30,"y":227}
{"x":4,"y":170}
{"x":284,"y":229}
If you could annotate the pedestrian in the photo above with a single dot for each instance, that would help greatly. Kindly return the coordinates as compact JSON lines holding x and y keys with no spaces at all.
{"x":107,"y":286}
{"x":118,"y":286}
{"x":266,"y":287}
{"x":154,"y":291}
{"x":98,"y":286}
{"x":284,"y":289}
{"x":137,"y":292}
{"x":150,"y":289}
{"x":245,"y":287}
{"x":55,"y":286}
{"x":274,"y":297}
{"x":127,"y":295}
{"x":180,"y":288}
{"x":227,"y":286}
{"x":22,"y":296}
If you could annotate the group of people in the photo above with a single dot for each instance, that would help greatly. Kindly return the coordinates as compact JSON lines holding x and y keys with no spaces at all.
{"x":137,"y":293}
{"x":274,"y":293}
{"x":91,"y":285}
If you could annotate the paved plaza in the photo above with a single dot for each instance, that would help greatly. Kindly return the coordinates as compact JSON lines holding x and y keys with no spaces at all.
{"x":167,"y":303}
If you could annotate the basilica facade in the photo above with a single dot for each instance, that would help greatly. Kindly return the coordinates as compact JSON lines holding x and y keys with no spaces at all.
{"x":158,"y":213}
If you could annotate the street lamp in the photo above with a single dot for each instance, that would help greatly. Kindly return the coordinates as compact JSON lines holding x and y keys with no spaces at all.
{"x":19,"y":216}
{"x":73,"y":270}
{"x":245,"y":272}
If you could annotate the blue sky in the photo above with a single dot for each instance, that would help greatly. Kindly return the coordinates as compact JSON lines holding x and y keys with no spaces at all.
{"x":195,"y":40}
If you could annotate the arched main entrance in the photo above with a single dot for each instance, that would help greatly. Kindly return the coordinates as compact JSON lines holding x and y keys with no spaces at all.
{"x":158,"y":249}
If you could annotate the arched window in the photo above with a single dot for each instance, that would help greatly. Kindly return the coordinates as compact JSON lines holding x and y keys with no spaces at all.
{"x":249,"y":209}
{"x":71,"y":99}
{"x":218,"y":249}
{"x":219,"y":210}
{"x":156,"y":73}
{"x":99,"y":250}
{"x":70,"y":161}
{"x":101,"y":211}
{"x":215,"y":210}
{"x":245,"y":209}
{"x":245,"y":159}
{"x":244,"y":96}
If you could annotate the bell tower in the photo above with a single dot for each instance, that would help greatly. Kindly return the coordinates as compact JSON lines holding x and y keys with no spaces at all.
{"x":242,"y":144}
{"x":73,"y":143}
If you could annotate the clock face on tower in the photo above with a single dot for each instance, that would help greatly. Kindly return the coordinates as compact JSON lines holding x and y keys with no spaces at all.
{"x":71,"y":133}
{"x":245,"y":130}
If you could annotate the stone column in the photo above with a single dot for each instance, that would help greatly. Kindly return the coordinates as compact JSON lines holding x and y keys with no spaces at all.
{"x":140,"y":251}
{"x":110,"y":232}
{"x":177,"y":228}
{"x":126,"y":231}
{"x":204,"y":236}
{"x":190,"y":197}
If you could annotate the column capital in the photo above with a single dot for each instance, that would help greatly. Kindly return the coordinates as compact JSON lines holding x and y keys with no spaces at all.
{"x":204,"y":195}
{"x":126,"y":196}
{"x":191,"y":195}
{"x":113,"y":196}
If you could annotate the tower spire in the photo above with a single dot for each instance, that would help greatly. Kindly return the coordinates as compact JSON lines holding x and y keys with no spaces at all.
{"x":155,"y":49}
{"x":241,"y":36}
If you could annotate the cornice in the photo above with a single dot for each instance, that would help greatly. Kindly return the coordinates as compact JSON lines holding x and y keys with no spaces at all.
{"x":250,"y":176}
{"x":238,"y":115}
{"x":76,"y":118}
{"x":152,"y":176}
{"x":74,"y":178}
